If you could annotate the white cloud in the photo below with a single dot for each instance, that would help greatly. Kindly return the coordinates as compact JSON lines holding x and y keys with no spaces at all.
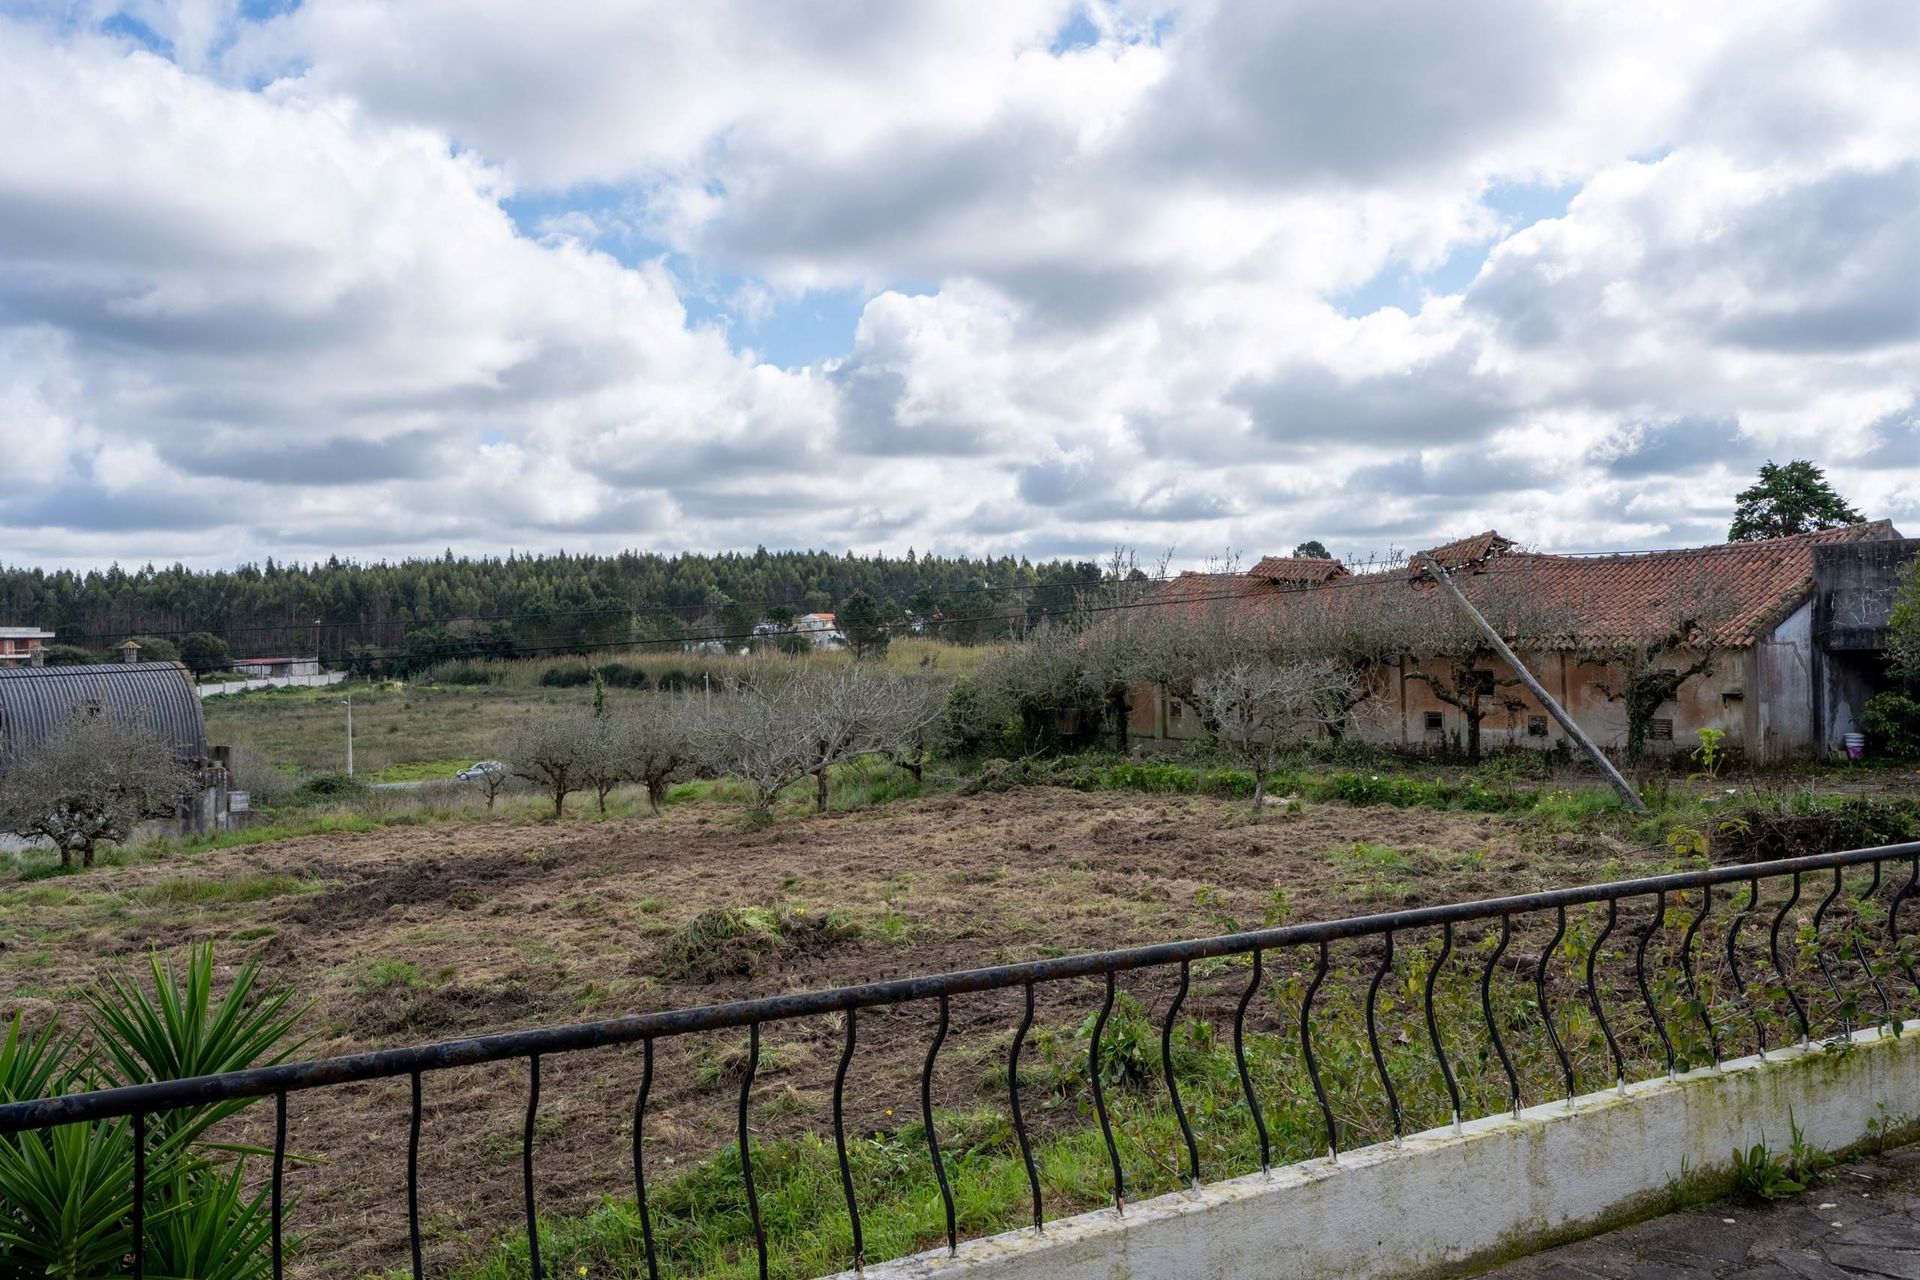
{"x":273,"y":280}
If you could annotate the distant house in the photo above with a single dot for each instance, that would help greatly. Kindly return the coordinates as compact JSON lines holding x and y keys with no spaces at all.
{"x":1797,"y":639}
{"x":19,"y":645}
{"x":276,"y":668}
{"x":821,"y":630}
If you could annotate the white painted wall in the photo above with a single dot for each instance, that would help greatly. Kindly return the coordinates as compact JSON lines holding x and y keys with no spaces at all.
{"x":1497,"y":1188}
{"x":271,"y":682}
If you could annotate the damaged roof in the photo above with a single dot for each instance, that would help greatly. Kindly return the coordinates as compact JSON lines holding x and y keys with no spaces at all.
{"x":1727,"y":594}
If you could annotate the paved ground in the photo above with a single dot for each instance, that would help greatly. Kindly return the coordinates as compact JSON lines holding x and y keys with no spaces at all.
{"x":1857,"y":1220}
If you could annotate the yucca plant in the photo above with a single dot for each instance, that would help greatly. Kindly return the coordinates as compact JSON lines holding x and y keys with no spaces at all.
{"x":66,"y":1194}
{"x":181,"y":1031}
{"x":209,"y":1228}
{"x":31,"y":1066}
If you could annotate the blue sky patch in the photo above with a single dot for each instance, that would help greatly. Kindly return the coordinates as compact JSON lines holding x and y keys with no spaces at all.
{"x":1519,"y":204}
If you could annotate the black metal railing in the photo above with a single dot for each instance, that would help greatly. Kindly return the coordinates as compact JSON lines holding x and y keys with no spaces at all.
{"x":1868,"y":922}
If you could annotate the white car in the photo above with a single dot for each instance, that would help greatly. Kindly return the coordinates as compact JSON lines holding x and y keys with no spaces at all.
{"x":480,"y":772}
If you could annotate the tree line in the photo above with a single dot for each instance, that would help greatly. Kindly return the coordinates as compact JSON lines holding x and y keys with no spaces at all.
{"x":433,"y":609}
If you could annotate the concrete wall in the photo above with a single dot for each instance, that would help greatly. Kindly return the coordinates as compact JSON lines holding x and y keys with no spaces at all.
{"x":271,"y":682}
{"x":1783,"y":663}
{"x":1447,"y":1200}
{"x":1855,"y":585}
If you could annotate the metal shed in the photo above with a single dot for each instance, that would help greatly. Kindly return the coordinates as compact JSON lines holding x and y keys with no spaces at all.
{"x":35,"y":701}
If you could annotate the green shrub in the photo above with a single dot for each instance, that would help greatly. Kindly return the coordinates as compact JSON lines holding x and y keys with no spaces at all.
{"x":326,"y":788}
{"x":68,"y":655}
{"x":567,"y":676}
{"x":969,"y":727}
{"x":619,"y":675}
{"x":1803,"y":823}
{"x":461,"y":672}
{"x":1891,"y":722}
{"x":204,"y":651}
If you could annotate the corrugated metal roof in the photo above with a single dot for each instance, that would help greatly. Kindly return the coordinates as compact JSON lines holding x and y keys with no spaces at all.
{"x":34,"y":701}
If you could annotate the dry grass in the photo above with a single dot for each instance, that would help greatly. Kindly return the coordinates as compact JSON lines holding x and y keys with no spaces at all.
{"x":415,"y":731}
{"x":410,"y":934}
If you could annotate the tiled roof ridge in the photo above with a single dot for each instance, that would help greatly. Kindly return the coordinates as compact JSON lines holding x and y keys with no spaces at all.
{"x":1786,"y":542}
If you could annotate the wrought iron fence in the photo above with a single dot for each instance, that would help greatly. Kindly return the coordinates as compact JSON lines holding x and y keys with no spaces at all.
{"x":1853,"y":941}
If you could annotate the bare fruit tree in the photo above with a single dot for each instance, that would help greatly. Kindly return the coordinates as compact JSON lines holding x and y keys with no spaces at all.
{"x":91,"y":782}
{"x":662,"y":739}
{"x":778,"y":727}
{"x":554,"y":753}
{"x":493,"y":777}
{"x":1260,"y":709}
{"x":1439,"y":635}
{"x":603,"y":761}
{"x":762,"y":734}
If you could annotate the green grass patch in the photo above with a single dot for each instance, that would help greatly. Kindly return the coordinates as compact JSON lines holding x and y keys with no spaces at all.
{"x":200,"y":891}
{"x":330,"y":822}
{"x":387,"y":975}
{"x":421,"y":771}
{"x":701,"y":1222}
{"x":1364,"y":855}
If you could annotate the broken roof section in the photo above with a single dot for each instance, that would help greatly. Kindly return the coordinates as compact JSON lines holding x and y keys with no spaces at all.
{"x":1298,"y":570}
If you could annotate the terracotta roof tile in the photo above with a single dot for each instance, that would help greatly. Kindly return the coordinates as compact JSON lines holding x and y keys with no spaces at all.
{"x":1739,"y":589}
{"x":1297,"y":569}
{"x":1465,"y":551}
{"x":1736,"y":590}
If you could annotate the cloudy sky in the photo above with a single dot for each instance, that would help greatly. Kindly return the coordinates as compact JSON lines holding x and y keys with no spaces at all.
{"x":380,"y":277}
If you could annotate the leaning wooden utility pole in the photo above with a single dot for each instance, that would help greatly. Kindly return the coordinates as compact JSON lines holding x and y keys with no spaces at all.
{"x":1534,"y":687}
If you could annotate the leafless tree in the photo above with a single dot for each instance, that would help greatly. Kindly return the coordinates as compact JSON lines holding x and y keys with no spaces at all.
{"x":604,"y":756}
{"x":1259,"y":709}
{"x":493,"y":778}
{"x":93,"y":781}
{"x":662,"y":739}
{"x":554,"y":753}
{"x":777,"y":727}
{"x":905,"y":712}
{"x":761,"y":734}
